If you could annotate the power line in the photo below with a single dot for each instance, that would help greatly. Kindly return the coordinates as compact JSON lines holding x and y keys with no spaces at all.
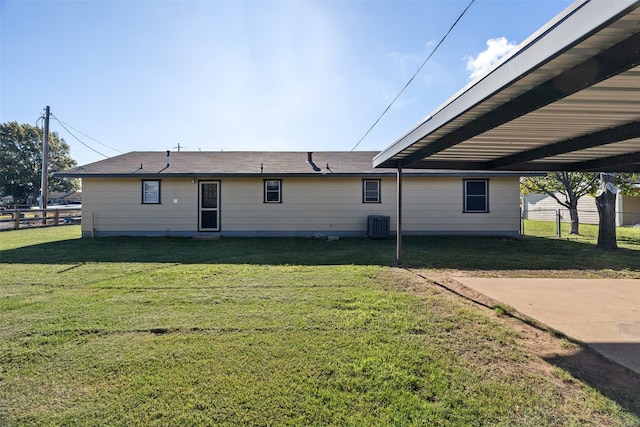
{"x":410,"y":80}
{"x":78,"y":139}
{"x":84,"y":134}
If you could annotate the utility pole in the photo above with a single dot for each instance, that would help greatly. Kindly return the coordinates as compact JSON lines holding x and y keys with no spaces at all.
{"x":44,"y":184}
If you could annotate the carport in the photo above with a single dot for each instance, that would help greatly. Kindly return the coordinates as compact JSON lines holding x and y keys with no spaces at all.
{"x":567,"y":99}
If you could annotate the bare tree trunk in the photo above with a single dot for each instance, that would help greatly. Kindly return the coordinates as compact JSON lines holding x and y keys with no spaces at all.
{"x":573,"y":214}
{"x":572,"y":202}
{"x":606,"y":204}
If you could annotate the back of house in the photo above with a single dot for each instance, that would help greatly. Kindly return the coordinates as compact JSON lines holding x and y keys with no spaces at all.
{"x":286,"y":194}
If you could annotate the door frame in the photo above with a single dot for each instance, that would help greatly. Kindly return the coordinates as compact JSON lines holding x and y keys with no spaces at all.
{"x":201,"y":209}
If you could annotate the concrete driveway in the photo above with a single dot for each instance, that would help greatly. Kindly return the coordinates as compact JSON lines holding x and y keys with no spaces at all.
{"x":602,"y":313}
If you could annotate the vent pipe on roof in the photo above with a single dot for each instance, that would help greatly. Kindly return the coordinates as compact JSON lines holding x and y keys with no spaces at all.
{"x":310,"y":161}
{"x":168,"y":158}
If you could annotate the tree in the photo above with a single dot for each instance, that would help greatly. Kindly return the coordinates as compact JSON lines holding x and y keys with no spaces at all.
{"x":566,"y":188}
{"x":21,"y":162}
{"x":606,"y":204}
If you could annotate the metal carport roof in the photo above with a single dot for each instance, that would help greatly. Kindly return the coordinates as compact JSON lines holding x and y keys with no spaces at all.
{"x":567,"y":99}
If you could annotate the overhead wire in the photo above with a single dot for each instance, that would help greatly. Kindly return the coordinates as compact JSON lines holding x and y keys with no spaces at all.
{"x":84,"y":134}
{"x":78,"y":139}
{"x":433,"y":51}
{"x":375,"y":123}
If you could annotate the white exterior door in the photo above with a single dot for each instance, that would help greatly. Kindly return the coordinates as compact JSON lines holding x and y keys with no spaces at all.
{"x":209,"y":206}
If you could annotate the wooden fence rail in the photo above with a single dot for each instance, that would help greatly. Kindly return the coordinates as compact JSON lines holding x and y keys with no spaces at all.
{"x":24,"y":218}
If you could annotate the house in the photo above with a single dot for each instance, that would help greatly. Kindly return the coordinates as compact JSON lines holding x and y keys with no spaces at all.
{"x":6,"y":200}
{"x":543,"y":207}
{"x":286,"y":194}
{"x":68,"y":198}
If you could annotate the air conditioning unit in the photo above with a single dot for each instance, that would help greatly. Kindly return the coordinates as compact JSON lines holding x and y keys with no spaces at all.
{"x":377,"y":227}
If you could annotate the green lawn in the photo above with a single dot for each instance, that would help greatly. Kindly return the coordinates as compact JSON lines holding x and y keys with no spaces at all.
{"x":628,"y":237}
{"x":171,"y":331}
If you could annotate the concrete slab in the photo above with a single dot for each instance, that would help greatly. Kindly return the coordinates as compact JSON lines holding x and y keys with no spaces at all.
{"x":602,"y":313}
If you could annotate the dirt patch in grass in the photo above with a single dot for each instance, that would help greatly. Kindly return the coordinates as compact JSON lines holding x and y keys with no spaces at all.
{"x":559,"y":357}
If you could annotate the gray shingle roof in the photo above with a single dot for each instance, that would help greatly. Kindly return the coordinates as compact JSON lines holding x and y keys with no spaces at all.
{"x":239,"y":163}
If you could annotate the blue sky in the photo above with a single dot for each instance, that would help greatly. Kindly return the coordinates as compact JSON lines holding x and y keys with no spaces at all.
{"x":222,"y":75}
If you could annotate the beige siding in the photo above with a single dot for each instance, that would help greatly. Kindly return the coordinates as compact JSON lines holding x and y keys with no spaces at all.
{"x":115,"y":205}
{"x":436,"y":205}
{"x":631,"y":208}
{"x":310,"y":205}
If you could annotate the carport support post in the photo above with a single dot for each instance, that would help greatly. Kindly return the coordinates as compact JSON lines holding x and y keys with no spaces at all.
{"x":399,"y":216}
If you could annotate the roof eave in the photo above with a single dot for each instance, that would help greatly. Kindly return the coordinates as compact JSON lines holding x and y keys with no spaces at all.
{"x":372,"y":174}
{"x":576,"y":23}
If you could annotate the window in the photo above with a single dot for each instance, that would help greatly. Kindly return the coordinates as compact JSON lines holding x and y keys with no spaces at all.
{"x":151,"y":192}
{"x":476,"y":195}
{"x":273,"y":191}
{"x":371,"y":191}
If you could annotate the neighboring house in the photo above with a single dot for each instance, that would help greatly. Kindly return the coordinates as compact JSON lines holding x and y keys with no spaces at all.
{"x":6,"y":200}
{"x":286,"y":194}
{"x":542,"y":207}
{"x":69,"y":198}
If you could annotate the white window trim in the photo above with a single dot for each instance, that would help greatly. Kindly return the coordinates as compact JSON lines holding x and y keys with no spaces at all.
{"x":485,"y":196}
{"x":364,"y":191}
{"x":266,"y":191}
{"x":146,"y":201}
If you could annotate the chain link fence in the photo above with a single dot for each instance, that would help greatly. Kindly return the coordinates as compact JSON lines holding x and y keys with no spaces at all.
{"x":557,"y":222}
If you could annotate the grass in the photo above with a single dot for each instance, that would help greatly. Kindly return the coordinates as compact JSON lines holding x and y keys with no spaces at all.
{"x":502,"y":309}
{"x":536,"y":255}
{"x":168,"y":331}
{"x":628,"y":237}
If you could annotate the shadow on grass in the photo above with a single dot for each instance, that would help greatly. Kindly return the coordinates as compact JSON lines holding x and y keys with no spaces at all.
{"x":612,"y":380}
{"x":588,"y":363}
{"x":441,"y":252}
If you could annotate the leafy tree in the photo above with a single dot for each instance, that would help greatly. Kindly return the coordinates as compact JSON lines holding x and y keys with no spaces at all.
{"x":567,"y":188}
{"x":21,"y":162}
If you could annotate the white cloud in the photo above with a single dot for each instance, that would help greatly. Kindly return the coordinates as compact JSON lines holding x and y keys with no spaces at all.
{"x":495,"y":51}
